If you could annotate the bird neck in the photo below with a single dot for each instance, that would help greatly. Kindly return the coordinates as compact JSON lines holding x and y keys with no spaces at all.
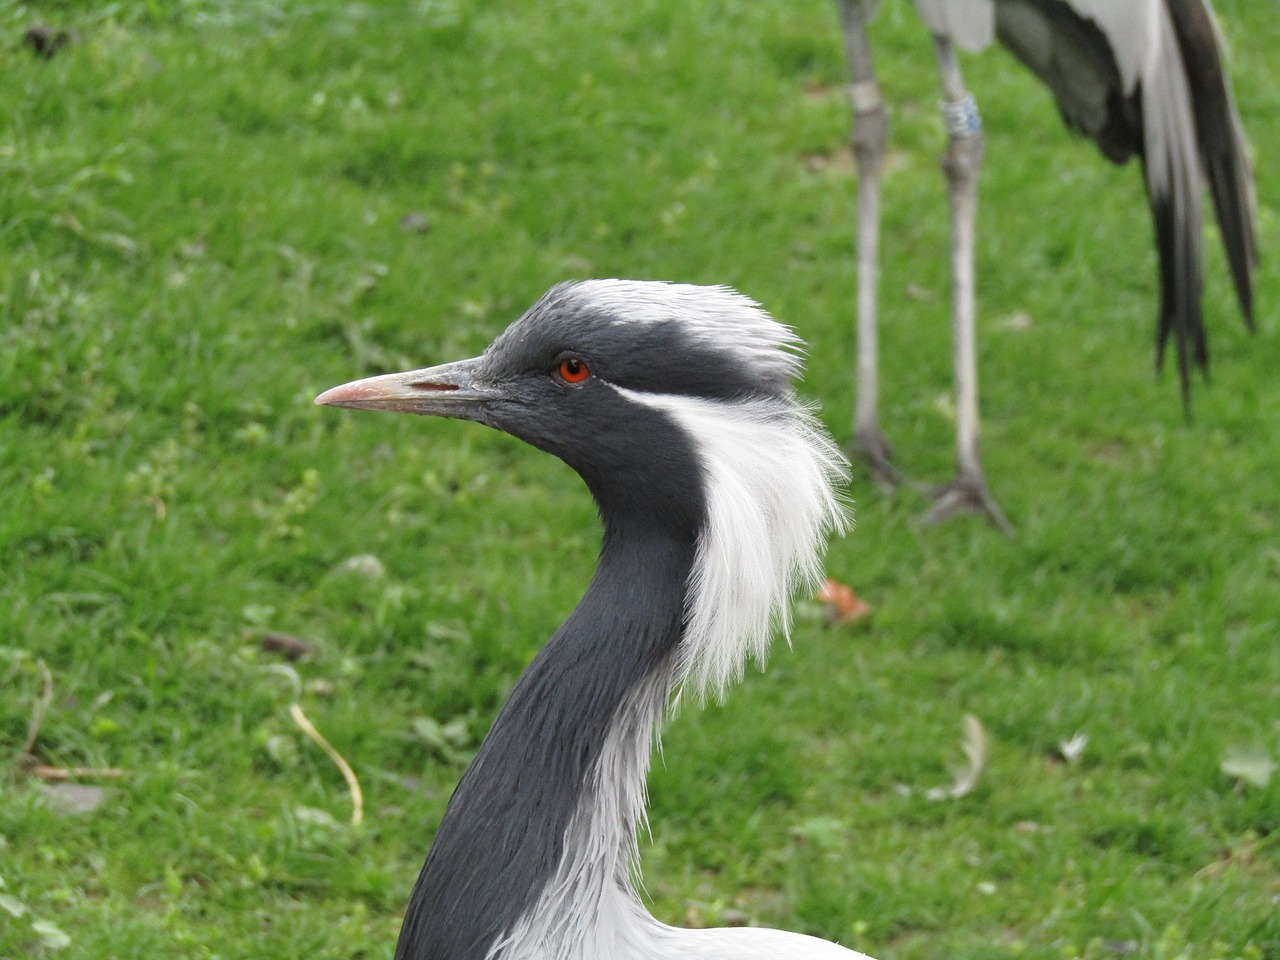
{"x":532,"y":856}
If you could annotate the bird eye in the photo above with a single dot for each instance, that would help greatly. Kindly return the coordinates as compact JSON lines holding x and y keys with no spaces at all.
{"x":573,"y":370}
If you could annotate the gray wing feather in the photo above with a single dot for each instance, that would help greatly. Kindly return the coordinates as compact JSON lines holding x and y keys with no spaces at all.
{"x":1132,"y":27}
{"x":970,"y":24}
{"x":1073,"y":58}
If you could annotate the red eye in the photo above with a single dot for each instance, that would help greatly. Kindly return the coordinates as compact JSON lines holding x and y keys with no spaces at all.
{"x":573,"y":370}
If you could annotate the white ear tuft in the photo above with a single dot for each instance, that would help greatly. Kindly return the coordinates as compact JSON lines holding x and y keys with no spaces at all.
{"x":771,"y":474}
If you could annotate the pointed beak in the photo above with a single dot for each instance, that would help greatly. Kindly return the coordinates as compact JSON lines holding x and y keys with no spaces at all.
{"x":449,"y":390}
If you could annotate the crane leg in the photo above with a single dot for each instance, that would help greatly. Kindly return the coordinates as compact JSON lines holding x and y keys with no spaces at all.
{"x":870,"y":131}
{"x":968,"y":493}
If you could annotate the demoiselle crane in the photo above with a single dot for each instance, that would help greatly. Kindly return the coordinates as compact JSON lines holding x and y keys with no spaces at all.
{"x":716,"y":488}
{"x":1138,"y":77}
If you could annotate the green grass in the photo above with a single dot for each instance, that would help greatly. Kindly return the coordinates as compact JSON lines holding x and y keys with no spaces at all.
{"x":201,"y":215}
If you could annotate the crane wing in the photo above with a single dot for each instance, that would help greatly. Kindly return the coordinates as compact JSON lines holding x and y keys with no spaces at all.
{"x":1146,"y":77}
{"x":1073,"y":56}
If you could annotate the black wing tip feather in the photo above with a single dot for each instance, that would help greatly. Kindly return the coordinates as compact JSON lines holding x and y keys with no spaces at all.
{"x":1230,"y":186}
{"x":1223,"y":150}
{"x":1181,"y":317}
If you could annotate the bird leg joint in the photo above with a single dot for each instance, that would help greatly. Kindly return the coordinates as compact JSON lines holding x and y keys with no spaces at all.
{"x":964,"y":153}
{"x":864,"y":96}
{"x":870,"y":122}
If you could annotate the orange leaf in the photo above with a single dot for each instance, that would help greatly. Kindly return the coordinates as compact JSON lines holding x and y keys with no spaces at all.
{"x":842,"y":604}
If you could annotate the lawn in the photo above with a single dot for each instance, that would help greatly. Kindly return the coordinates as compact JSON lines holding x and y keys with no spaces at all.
{"x":210,"y":211}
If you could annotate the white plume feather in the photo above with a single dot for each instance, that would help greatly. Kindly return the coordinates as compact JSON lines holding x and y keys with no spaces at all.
{"x":771,"y":476}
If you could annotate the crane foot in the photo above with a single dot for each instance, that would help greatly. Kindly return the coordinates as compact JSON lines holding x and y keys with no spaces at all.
{"x":966,"y":495}
{"x":870,"y":446}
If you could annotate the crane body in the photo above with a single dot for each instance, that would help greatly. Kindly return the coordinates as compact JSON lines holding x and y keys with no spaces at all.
{"x":716,"y":489}
{"x":1140,"y":78}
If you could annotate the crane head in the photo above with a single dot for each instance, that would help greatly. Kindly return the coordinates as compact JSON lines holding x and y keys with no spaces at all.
{"x":675,"y":405}
{"x":576,"y":374}
{"x":588,"y":338}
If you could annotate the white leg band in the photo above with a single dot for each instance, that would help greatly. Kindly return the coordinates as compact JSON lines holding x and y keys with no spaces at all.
{"x":961,"y":117}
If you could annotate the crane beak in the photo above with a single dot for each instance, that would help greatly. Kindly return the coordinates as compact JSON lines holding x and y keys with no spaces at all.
{"x":449,"y":390}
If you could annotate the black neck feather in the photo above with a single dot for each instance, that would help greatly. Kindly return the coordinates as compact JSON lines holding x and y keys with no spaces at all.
{"x":503,"y":833}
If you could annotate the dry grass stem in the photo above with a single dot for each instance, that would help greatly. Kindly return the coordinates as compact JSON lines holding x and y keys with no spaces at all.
{"x":357,"y":795}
